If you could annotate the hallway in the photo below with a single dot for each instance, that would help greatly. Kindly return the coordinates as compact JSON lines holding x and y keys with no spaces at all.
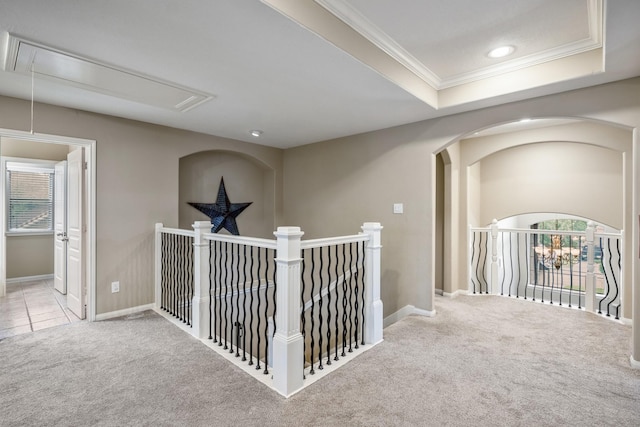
{"x":31,"y":306}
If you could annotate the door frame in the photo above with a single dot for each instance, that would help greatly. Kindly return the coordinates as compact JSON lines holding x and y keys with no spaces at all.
{"x":90,"y":159}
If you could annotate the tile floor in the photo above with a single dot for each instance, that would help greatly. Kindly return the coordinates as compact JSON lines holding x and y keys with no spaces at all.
{"x":31,"y":306}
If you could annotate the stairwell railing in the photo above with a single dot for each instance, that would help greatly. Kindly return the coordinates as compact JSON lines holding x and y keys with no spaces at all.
{"x":580,"y":269}
{"x":274,"y":307}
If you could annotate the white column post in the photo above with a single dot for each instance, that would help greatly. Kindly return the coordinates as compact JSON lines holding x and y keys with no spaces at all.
{"x":288,"y":344}
{"x":372,"y":303}
{"x":201,"y":295}
{"x":590,"y":291}
{"x":158,"y":265}
{"x":494,"y":257}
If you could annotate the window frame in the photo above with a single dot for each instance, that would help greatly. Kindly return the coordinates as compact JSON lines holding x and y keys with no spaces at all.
{"x":26,"y":163}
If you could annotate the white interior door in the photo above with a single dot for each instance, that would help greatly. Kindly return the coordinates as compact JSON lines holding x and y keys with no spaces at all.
{"x":75,"y":233}
{"x":60,"y":227}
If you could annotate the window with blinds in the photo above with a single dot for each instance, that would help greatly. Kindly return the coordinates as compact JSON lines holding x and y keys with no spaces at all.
{"x":29,"y":197}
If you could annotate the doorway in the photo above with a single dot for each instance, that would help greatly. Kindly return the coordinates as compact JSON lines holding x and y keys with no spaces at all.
{"x":84,"y":271}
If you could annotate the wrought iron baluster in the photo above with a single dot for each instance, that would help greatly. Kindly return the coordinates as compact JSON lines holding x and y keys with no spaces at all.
{"x":163,"y":275}
{"x":275,"y":290}
{"x":174,"y":290}
{"x":527,"y":258}
{"x":362,"y":276}
{"x":231,"y":272}
{"x":545,"y":277}
{"x":244,"y":303}
{"x":353,"y":290}
{"x":258,"y":334}
{"x":329,"y":300}
{"x":517,"y":269}
{"x":225,"y":271}
{"x":235,"y":294}
{"x":185,"y":278}
{"x":251,"y":310}
{"x":181,"y":289}
{"x":345,"y":302}
{"x":619,"y":270}
{"x":320,"y":319}
{"x":580,"y":275}
{"x":613,"y":275}
{"x":336,"y":325}
{"x":561,"y":272}
{"x":570,"y":270}
{"x":211,"y":294}
{"x":303,"y":312}
{"x":312,"y":316}
{"x":504,"y":265}
{"x":473,"y":254}
{"x":219,"y":290}
{"x":266,"y":311}
{"x":483,"y":261}
{"x":358,"y":277}
{"x":189,"y":278}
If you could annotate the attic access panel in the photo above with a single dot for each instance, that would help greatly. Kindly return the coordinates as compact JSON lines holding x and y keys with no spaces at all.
{"x":61,"y":67}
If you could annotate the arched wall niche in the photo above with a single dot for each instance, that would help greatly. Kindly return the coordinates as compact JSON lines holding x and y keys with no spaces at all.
{"x":246,"y":180}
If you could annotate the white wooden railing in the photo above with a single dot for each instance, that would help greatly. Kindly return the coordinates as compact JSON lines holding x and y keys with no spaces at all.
{"x":285,"y":293}
{"x":573,"y":268}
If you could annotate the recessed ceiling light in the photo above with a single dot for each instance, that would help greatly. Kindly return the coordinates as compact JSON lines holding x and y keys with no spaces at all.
{"x":525,"y":120}
{"x":501,"y":52}
{"x":256,"y":133}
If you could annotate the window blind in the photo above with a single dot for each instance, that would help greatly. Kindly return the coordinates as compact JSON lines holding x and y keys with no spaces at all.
{"x":30,"y":197}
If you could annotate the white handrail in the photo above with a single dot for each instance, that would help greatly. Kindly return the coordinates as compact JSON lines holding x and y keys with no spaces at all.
{"x":249,"y":241}
{"x":332,"y":241}
{"x":178,"y":231}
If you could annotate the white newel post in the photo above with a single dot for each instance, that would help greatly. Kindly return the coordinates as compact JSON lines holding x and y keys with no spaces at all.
{"x":372,"y":303}
{"x":494,"y":257}
{"x":158,"y":265}
{"x":201,"y":296}
{"x":288,"y":345}
{"x":590,"y":291}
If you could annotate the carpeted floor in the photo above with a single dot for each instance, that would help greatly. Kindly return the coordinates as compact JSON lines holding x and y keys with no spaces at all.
{"x":482,"y":361}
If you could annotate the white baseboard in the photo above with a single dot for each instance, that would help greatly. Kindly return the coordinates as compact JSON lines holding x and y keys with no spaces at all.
{"x":635,"y":364}
{"x":29,"y":278}
{"x":455,"y":294}
{"x":626,"y":321}
{"x":404,"y":312}
{"x":124,"y":312}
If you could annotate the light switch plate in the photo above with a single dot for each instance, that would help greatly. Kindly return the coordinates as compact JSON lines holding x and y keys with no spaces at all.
{"x":398,"y":208}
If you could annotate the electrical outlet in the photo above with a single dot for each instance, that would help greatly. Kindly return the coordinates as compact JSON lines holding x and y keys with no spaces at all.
{"x":115,"y":287}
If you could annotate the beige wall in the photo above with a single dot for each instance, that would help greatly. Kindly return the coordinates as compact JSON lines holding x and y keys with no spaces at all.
{"x":28,"y":256}
{"x":331,"y":188}
{"x":571,"y":178}
{"x":245,"y":179}
{"x":338,"y":184}
{"x":137,"y":186}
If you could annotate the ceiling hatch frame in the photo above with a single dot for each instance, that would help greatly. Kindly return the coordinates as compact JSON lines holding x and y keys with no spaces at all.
{"x":26,"y":57}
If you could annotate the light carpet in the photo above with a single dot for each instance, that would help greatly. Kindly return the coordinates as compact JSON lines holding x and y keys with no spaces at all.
{"x":482,"y":361}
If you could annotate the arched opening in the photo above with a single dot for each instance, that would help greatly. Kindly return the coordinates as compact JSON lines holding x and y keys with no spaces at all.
{"x":576,"y":167}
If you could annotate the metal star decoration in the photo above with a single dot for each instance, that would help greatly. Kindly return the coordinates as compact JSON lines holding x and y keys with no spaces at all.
{"x":223,"y":213}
